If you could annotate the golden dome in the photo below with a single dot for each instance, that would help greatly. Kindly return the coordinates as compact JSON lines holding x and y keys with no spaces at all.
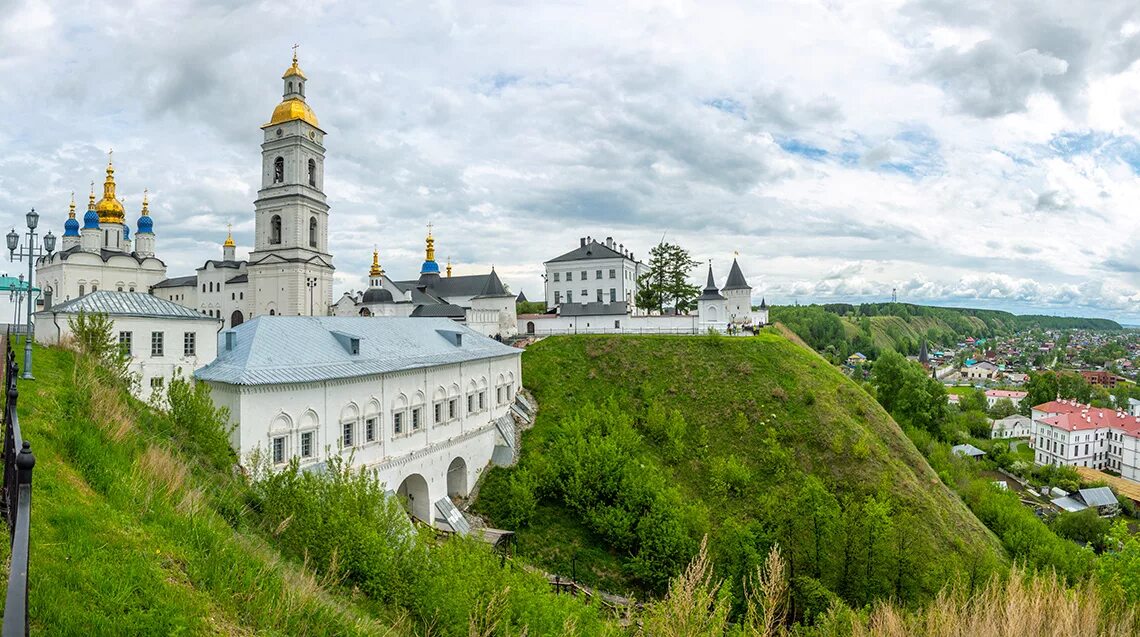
{"x":375,"y":271}
{"x":291,"y":109}
{"x":110,"y":209}
{"x":229,"y":243}
{"x":294,"y":70}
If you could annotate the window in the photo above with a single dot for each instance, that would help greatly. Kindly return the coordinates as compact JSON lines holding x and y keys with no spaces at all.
{"x":307,"y":444}
{"x":613,"y":295}
{"x":80,"y":289}
{"x":156,"y":382}
{"x":470,"y":403}
{"x":398,"y":423}
{"x":617,"y":325}
{"x":120,"y":289}
{"x":370,"y":430}
{"x":233,"y":296}
{"x":613,"y":273}
{"x":156,"y":348}
{"x":438,"y":413}
{"x":569,"y":296}
{"x":275,"y":230}
{"x":585,"y":295}
{"x":278,"y":449}
{"x":312,"y":232}
{"x":346,"y":434}
{"x":557,"y":298}
{"x":203,"y":287}
{"x":94,"y":287}
{"x":499,"y":395}
{"x":125,"y":343}
{"x":556,"y":277}
{"x":597,"y":274}
{"x":417,"y":418}
{"x":482,"y":400}
{"x":569,"y":276}
{"x":241,"y":296}
{"x":453,"y":409}
{"x":584,"y":275}
{"x":599,"y":295}
{"x":189,"y":346}
{"x":312,"y":173}
{"x":279,"y":170}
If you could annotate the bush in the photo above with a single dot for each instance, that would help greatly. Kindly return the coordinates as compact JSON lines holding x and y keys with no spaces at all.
{"x":730,"y":476}
{"x":94,"y":336}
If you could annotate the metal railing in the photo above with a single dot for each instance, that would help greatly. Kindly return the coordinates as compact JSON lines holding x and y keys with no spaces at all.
{"x":16,"y":501}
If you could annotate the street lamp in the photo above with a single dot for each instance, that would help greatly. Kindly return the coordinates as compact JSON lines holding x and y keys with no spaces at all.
{"x":310,"y":282}
{"x":32,"y":251}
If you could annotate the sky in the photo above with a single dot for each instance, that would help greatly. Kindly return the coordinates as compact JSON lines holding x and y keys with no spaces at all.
{"x":961,"y":152}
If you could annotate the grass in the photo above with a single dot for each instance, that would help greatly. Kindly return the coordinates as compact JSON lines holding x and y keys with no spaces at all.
{"x":787,"y":394}
{"x":131,"y":534}
{"x":886,"y":330}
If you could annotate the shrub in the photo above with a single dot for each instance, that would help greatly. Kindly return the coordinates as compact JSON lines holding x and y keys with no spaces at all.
{"x":730,"y":476}
{"x":94,"y":336}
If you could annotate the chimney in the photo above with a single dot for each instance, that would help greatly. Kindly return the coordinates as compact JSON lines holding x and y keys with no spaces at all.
{"x":610,"y":243}
{"x":581,"y":242}
{"x":621,"y":248}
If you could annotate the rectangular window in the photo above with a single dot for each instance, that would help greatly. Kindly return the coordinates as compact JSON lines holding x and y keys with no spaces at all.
{"x":346,"y":434}
{"x":125,"y":343}
{"x":482,"y":400}
{"x":438,"y":413}
{"x":569,"y":276}
{"x":278,"y":449}
{"x":557,"y":298}
{"x":453,"y":409}
{"x":597,"y":274}
{"x":307,"y":444}
{"x":156,"y":346}
{"x":189,"y":344}
{"x":556,"y":277}
{"x":613,"y":273}
{"x":470,"y":403}
{"x":370,"y":430}
{"x":617,"y":325}
{"x":585,"y":294}
{"x":599,"y":295}
{"x":156,"y":382}
{"x":585,"y":274}
{"x":499,"y":395}
{"x":613,"y":295}
{"x":398,"y":423}
{"x":569,"y":296}
{"x":417,"y":418}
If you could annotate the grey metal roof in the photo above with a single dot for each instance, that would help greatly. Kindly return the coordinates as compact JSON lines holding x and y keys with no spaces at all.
{"x":736,"y":279}
{"x":1072,"y":505}
{"x":469,"y":285}
{"x":710,"y":293}
{"x":521,"y":298}
{"x":241,"y":278}
{"x":376,"y":295}
{"x":218,"y":263}
{"x":1098,"y":497}
{"x":104,"y":254}
{"x":967,"y":450}
{"x":593,"y":308}
{"x":129,"y":304}
{"x":590,"y":251}
{"x":298,"y":349}
{"x":493,"y":287}
{"x":178,"y":281}
{"x":445,"y":310}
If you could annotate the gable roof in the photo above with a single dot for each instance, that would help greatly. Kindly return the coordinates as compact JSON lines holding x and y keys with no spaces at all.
{"x":128,"y":304}
{"x":1098,"y":497}
{"x":590,"y":251}
{"x":736,"y":279}
{"x":297,"y":349}
{"x":178,"y":281}
{"x":469,"y":285}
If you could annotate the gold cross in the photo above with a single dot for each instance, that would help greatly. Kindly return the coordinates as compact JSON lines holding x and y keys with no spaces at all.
{"x":295,"y":52}
{"x":429,"y":227}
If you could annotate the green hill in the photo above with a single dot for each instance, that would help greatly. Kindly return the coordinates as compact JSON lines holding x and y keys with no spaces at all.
{"x":644,"y":444}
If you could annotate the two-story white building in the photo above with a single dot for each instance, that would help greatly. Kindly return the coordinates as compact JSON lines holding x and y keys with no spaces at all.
{"x":162,"y":338}
{"x":1014,"y":396}
{"x":422,"y":401}
{"x":1066,"y":432}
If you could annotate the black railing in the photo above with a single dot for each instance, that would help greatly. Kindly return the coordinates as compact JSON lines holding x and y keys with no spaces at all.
{"x":16,"y":501}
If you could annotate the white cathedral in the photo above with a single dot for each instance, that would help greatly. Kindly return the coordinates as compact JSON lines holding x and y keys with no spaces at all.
{"x":289,"y":272}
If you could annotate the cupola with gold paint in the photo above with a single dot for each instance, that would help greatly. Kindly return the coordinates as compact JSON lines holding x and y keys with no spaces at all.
{"x":109,"y":208}
{"x":229,"y":248}
{"x":293,"y":106}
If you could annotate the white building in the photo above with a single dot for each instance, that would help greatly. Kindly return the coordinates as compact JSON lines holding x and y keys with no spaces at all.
{"x":994,"y":395}
{"x":1015,"y":426}
{"x":594,"y":273}
{"x":163,"y":339}
{"x":1066,"y":432}
{"x":424,"y":402}
{"x":716,"y":310}
{"x":984,"y":370}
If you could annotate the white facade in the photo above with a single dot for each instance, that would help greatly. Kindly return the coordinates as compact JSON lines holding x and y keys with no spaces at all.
{"x":593,"y":272}
{"x":1015,"y":426}
{"x":428,"y":430}
{"x":1069,"y":433}
{"x":994,"y":395}
{"x":162,"y":341}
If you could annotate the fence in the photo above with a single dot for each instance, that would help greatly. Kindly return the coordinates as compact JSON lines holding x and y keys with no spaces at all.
{"x":16,"y":501}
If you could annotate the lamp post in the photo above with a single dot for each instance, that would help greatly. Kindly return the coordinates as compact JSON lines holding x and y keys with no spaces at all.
{"x":311,"y":282}
{"x":31,"y":251}
{"x":16,"y":295}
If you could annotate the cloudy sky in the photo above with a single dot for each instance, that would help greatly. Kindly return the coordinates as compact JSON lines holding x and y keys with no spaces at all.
{"x":961,"y":153}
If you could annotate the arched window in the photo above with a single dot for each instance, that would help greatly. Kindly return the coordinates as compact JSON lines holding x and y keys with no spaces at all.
{"x":272,"y":312}
{"x":312,"y":232}
{"x":279,"y":170}
{"x":275,"y":229}
{"x":313,"y":172}
{"x":290,"y":87}
{"x":81,"y":289}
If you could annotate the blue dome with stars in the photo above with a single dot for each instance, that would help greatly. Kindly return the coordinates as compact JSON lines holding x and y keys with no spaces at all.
{"x":91,"y":220}
{"x":71,"y":227}
{"x":145,"y":225}
{"x":430,"y":267}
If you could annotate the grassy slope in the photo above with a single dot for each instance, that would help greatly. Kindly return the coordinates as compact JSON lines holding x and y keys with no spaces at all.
{"x":839,"y":433}
{"x":129,"y":531}
{"x":914,"y":328}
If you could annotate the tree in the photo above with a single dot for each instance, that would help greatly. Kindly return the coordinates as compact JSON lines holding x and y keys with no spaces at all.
{"x":94,"y":336}
{"x":973,"y":401}
{"x":1002,"y":408}
{"x":667,"y":281}
{"x":1041,"y":388}
{"x":1074,"y":386}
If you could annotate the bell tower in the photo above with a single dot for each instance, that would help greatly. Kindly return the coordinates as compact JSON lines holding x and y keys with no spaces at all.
{"x":290,"y":268}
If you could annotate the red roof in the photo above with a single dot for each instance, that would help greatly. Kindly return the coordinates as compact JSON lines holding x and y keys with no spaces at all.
{"x":1074,"y":416}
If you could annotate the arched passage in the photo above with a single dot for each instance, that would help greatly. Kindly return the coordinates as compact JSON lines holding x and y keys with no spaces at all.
{"x":530,"y":327}
{"x":413,"y":492}
{"x":236,"y":318}
{"x":457,"y":478}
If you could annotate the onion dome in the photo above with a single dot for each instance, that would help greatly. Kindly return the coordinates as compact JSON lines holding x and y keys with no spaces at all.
{"x":109,"y":208}
{"x":145,"y":223}
{"x":293,"y":106}
{"x":375,"y":271}
{"x":91,"y":217}
{"x":71,"y":226}
{"x":429,"y":266}
{"x":229,"y":242}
